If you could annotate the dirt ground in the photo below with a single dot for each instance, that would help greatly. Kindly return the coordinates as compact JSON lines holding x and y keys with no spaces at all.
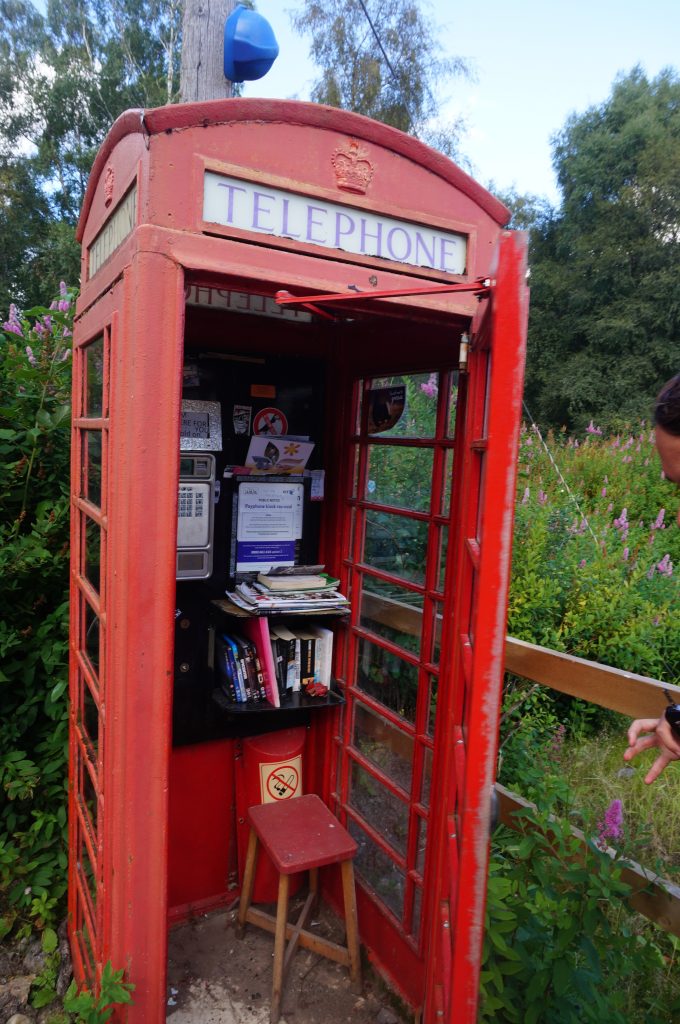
{"x":216,"y":978}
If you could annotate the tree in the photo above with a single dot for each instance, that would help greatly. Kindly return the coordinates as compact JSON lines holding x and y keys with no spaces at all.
{"x":64,"y":78}
{"x":605,"y":305}
{"x":381,"y":58}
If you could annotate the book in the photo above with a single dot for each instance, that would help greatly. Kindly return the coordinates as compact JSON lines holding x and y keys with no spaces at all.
{"x":279,"y":584}
{"x":256,"y":630}
{"x":307,"y":656}
{"x":235,"y":661}
{"x":290,"y":646}
{"x":226,"y":669}
{"x":324,"y":646}
{"x":245,"y":668}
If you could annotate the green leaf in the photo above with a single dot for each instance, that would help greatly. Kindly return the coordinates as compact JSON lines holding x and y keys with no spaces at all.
{"x":49,"y":940}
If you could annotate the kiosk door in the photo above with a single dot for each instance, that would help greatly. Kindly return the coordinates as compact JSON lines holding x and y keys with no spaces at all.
{"x":427,"y":545}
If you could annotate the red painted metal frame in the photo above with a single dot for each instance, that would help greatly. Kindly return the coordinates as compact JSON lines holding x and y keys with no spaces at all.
{"x":465,"y":768}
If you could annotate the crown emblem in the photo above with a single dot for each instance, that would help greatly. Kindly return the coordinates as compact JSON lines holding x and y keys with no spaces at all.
{"x":353,"y":169}
{"x":109,"y":178}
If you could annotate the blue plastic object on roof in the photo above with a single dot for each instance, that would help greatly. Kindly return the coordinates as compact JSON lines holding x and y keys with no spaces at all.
{"x":250,"y":46}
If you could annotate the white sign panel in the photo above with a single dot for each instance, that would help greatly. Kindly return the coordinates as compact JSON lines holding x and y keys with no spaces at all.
{"x":119,"y":225}
{"x":268,"y":524}
{"x":272,"y":211}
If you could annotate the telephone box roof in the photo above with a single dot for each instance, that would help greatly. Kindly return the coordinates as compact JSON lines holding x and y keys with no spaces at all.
{"x":178,"y":117}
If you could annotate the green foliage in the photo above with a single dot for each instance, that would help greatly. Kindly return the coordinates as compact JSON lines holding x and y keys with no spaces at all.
{"x":34,"y":543}
{"x":604,"y":330}
{"x":559,"y":945}
{"x":404,"y":90}
{"x":96,"y":1009}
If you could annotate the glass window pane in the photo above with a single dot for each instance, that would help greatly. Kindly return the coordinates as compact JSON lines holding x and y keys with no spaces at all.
{"x":91,"y":804}
{"x":392,"y":612}
{"x":378,"y":870}
{"x":396,"y":545}
{"x":421,"y":844}
{"x":437,"y":610}
{"x":448,"y":482}
{"x":91,"y":552}
{"x":417,"y":911}
{"x":388,"y":678}
{"x":419,"y":416}
{"x":94,"y":378}
{"x":453,"y":405}
{"x":399,"y":476}
{"x":443,"y":537}
{"x":91,"y":469}
{"x":88,"y":719}
{"x":432,"y":705}
{"x":90,"y":641}
{"x":385,"y":812}
{"x":427,"y":776}
{"x":384,"y":745}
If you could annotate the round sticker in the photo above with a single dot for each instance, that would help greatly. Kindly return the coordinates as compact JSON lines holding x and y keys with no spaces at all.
{"x":282,"y":782}
{"x":270,"y":421}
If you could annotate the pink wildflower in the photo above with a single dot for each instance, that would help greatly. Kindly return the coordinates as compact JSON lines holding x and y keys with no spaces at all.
{"x":611,"y":826}
{"x":592,"y":429}
{"x":430,"y":388}
{"x":665,"y":566}
{"x":604,"y":492}
{"x":29,"y":355}
{"x":622,"y":522}
{"x":626,"y":554}
{"x":582,"y":564}
{"x":542,"y":497}
{"x":13,"y":323}
{"x":658,"y":523}
{"x":525,"y":496}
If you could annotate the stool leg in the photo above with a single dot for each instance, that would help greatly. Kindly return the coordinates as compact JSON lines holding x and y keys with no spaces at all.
{"x":248,"y":879}
{"x":279,"y":947}
{"x":350,"y":901}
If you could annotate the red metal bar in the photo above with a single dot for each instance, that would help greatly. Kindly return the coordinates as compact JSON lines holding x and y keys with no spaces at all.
{"x":480,"y":287}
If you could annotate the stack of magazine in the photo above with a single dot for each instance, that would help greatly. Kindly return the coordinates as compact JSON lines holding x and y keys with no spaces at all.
{"x":289,"y":592}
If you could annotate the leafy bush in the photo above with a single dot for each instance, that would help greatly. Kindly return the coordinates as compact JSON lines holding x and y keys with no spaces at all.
{"x":34,"y":547}
{"x":560,"y":945}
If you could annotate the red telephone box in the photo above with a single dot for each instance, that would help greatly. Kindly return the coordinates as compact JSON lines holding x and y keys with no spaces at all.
{"x":261,"y":269}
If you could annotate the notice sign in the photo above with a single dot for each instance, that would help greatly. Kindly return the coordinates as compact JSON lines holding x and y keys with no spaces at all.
{"x":269,"y":522}
{"x":280,"y":781}
{"x":312,"y":219}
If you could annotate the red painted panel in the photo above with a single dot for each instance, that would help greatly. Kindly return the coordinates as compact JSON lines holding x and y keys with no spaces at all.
{"x":201,"y":825}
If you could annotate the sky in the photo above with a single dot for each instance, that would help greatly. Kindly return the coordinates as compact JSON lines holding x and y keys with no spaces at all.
{"x":535,"y":63}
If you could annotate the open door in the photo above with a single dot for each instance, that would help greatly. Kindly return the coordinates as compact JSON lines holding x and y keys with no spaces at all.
{"x":473,"y":643}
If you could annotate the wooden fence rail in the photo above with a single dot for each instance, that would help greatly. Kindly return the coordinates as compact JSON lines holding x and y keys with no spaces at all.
{"x":630,"y":694}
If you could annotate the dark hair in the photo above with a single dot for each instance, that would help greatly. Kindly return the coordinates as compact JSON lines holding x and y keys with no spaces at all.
{"x":667,"y":407}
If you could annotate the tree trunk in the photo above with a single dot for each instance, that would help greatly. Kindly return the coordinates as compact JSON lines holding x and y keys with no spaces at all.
{"x":202,"y":72}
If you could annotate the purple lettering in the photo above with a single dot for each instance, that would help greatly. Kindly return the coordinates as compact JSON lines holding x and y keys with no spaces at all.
{"x":390,"y":247}
{"x":231,"y":189}
{"x":339,"y":230}
{"x":312,"y":223}
{"x":286,"y":230}
{"x":427,"y":258}
{"x":444,"y":247}
{"x":207,"y":301}
{"x":258,"y":209}
{"x":377,"y":236}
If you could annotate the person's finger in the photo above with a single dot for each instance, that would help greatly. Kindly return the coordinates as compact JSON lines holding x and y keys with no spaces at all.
{"x":655,"y":771}
{"x":641,"y":725}
{"x":643,"y":743}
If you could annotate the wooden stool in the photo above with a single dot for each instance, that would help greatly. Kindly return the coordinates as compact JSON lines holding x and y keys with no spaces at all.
{"x":300,"y":834}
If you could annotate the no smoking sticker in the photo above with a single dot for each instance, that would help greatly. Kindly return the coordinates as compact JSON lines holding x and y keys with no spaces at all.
{"x":280,"y":781}
{"x":270,"y":421}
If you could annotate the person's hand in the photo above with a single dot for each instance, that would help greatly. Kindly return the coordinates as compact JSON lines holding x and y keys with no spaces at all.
{"x":658,"y":734}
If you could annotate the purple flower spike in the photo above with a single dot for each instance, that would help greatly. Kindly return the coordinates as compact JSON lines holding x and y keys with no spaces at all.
{"x":611,"y":827}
